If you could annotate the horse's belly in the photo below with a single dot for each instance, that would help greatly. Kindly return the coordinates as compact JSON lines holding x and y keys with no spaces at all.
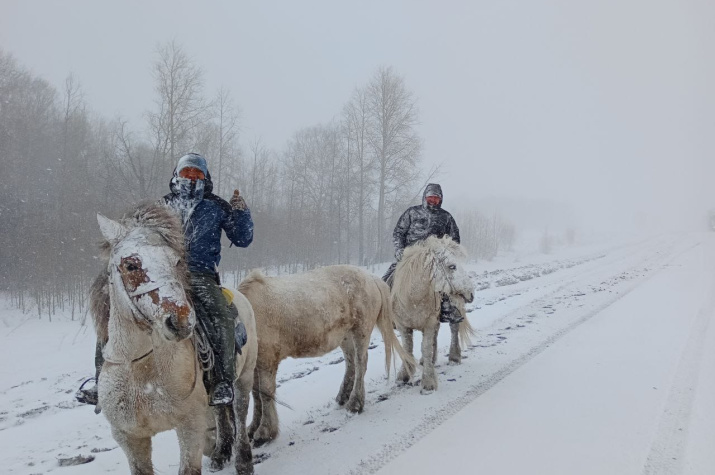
{"x":314,"y":346}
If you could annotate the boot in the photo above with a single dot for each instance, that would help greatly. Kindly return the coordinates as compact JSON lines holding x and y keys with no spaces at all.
{"x":91,"y":395}
{"x":222,"y":338}
{"x":449,"y":313}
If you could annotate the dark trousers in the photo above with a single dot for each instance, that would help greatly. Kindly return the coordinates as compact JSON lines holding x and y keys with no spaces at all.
{"x":212,"y":313}
{"x":389,"y":275}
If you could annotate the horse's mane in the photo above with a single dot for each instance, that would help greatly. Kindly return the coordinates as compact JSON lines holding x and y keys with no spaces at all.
{"x":418,"y":265}
{"x":158,"y":218}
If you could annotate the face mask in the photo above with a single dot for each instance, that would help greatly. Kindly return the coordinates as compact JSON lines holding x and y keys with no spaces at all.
{"x":189,"y":189}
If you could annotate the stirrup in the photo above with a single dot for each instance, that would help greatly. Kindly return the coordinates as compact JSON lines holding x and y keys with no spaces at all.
{"x":87,"y":396}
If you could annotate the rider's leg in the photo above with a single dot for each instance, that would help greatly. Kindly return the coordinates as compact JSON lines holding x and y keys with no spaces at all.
{"x":449,"y":313}
{"x":212,"y":311}
{"x":90,"y":395}
{"x":390,"y":274}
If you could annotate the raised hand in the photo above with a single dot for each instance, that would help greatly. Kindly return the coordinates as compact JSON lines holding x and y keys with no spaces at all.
{"x":237,"y":201}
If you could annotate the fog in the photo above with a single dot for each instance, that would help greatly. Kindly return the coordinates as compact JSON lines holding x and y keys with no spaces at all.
{"x":604,"y":106}
{"x":570,"y":118}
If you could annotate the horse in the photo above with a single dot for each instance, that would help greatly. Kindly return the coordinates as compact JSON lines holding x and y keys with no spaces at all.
{"x":151,"y":379}
{"x":428,"y":269}
{"x":309,"y":315}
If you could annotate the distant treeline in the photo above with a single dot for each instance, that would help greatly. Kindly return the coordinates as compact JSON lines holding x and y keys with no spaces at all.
{"x":332,"y":195}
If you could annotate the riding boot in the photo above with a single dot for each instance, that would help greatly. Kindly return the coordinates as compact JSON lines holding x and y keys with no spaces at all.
{"x":449,"y":313}
{"x":212,"y":311}
{"x":222,"y":339}
{"x":91,"y":395}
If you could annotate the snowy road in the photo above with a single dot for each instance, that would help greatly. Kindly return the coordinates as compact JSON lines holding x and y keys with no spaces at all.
{"x":629,"y":391}
{"x":598,"y":360}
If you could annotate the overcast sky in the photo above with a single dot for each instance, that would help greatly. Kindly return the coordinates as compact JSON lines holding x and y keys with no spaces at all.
{"x":607,"y":107}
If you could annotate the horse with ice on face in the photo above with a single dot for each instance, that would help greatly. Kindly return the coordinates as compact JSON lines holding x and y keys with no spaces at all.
{"x":151,"y":379}
{"x":309,"y":315}
{"x":427,"y":270}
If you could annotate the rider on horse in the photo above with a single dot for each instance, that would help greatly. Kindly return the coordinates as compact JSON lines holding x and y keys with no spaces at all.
{"x":417,"y":224}
{"x":203,"y":216}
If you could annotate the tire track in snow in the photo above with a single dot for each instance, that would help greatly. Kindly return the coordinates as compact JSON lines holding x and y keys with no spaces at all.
{"x":391,"y":451}
{"x":668,"y":447}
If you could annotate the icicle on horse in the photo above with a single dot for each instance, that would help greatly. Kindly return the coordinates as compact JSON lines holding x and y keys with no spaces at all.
{"x":151,"y":380}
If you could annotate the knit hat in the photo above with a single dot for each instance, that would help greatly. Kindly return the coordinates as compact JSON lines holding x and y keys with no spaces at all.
{"x":192,"y":160}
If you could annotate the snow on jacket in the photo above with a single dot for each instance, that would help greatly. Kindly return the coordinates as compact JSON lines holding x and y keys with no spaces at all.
{"x":421,"y":221}
{"x":202,"y":232}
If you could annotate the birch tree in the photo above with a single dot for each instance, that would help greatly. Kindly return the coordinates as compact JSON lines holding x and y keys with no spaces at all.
{"x":394,"y":141}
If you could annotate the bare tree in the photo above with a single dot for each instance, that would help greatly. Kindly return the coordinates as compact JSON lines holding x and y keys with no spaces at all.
{"x":394,"y":141}
{"x":180,"y":106}
{"x":226,"y":116}
{"x":356,"y":115}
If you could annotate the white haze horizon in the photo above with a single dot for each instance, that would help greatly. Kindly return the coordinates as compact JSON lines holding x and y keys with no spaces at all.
{"x":597,"y":116}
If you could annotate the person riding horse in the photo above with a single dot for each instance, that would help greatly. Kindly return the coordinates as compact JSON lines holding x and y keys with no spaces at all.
{"x":417,"y":224}
{"x":204,"y":215}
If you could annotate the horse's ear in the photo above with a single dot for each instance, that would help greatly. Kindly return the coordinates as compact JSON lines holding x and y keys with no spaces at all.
{"x":111,"y":230}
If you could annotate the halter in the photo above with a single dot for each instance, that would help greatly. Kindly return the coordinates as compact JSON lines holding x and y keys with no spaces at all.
{"x":441,"y":264}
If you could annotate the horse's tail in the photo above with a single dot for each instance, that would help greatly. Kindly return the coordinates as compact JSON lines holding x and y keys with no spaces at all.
{"x":466,"y":331}
{"x":385,"y":324}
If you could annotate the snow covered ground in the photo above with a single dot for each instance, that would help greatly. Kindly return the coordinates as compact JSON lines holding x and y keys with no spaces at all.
{"x":591,"y":360}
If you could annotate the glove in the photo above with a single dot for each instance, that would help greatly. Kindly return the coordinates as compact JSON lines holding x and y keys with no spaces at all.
{"x":398,"y":253}
{"x":237,"y":201}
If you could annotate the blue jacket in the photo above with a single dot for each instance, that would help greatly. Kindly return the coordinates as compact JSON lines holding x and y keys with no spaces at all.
{"x":203,"y":231}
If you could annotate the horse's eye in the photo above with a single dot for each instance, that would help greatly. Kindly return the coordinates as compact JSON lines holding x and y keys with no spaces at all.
{"x":132,"y":267}
{"x":452,"y":267}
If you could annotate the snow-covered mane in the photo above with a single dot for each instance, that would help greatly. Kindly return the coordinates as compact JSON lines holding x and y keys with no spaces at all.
{"x":155,"y":217}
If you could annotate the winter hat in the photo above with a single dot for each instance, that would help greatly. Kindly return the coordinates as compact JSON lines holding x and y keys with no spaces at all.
{"x":433,"y":189}
{"x":192,"y":160}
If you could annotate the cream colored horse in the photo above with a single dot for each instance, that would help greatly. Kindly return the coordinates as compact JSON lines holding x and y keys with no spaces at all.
{"x":309,"y":315}
{"x":151,"y":380}
{"x":427,"y":269}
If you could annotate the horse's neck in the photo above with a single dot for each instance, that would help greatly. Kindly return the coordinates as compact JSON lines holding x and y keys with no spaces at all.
{"x":128,"y":342}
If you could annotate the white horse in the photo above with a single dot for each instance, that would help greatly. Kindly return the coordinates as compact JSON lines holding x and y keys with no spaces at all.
{"x":427,"y":270}
{"x":151,"y":380}
{"x":309,"y":315}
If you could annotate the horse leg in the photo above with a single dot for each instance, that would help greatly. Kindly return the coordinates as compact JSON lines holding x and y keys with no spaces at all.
{"x":257,"y":406}
{"x":137,"y":450}
{"x":244,"y":455}
{"x":268,"y":428}
{"x":434,"y":345}
{"x":349,"y":380}
{"x":356,"y":403}
{"x":455,"y":352}
{"x":429,"y":377}
{"x":223,"y":448}
{"x":403,"y":375}
{"x":191,"y":444}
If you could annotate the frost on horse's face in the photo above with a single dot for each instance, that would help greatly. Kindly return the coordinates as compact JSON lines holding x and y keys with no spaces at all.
{"x":451,"y":277}
{"x":148,"y":273}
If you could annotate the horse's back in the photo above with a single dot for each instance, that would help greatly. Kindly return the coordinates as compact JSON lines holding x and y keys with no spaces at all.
{"x":309,"y":314}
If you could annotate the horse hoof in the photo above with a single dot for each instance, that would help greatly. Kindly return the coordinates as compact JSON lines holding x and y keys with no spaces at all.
{"x":217,"y":464}
{"x":426,"y":392}
{"x":354,"y":406}
{"x":245,"y":470}
{"x":454,"y":362}
{"x":261,"y":441}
